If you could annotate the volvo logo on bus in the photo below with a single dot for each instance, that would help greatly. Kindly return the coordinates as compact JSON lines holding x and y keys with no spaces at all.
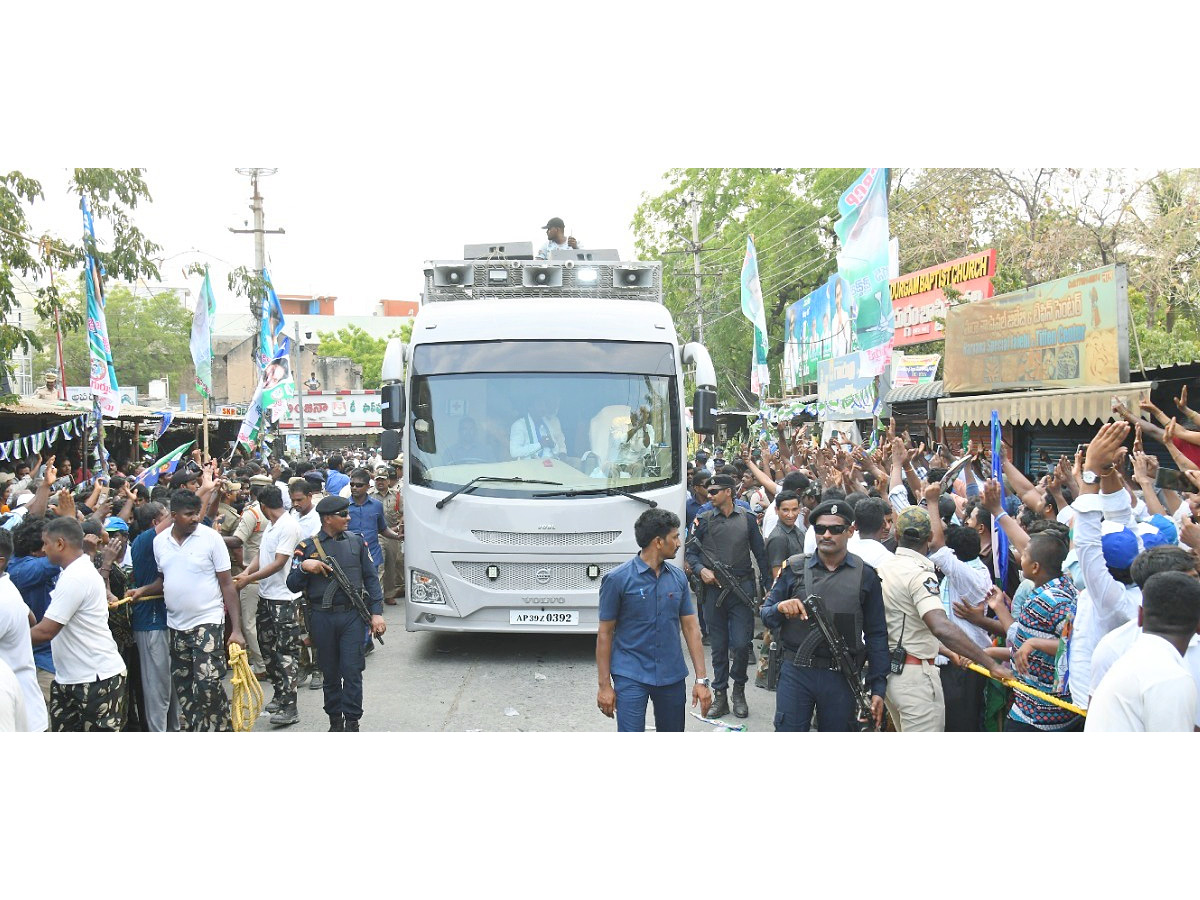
{"x":545,"y":528}
{"x":542,"y":576}
{"x":543,"y":601}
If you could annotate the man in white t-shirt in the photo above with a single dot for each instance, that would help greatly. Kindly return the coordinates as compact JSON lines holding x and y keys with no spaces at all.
{"x":278,"y":625}
{"x":12,"y":702}
{"x":198,"y":592}
{"x":88,"y":691}
{"x":304,"y":507}
{"x":1150,"y":687}
{"x":16,"y":648}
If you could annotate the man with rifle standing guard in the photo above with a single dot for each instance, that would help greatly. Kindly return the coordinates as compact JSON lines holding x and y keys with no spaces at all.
{"x":723,"y":541}
{"x":851,"y":597}
{"x":337,"y":615}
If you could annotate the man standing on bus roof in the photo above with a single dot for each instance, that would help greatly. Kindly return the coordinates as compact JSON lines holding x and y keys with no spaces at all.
{"x":556,"y":238}
{"x":643,"y":605}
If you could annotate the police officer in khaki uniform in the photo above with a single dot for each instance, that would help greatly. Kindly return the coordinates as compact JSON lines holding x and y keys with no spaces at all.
{"x":49,"y":391}
{"x":918,"y":629}
{"x":387,"y":490}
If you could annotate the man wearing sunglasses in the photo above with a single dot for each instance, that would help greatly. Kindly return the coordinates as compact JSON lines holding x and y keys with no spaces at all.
{"x":336,"y":629}
{"x":730,"y":535}
{"x":853,"y":597}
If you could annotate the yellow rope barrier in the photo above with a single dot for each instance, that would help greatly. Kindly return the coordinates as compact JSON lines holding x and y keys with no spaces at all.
{"x":247,"y":693}
{"x":1032,"y":691}
{"x":128,"y":599}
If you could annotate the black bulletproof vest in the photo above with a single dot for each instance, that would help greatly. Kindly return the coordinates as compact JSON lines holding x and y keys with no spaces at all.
{"x":347,"y":552}
{"x":841,"y":592}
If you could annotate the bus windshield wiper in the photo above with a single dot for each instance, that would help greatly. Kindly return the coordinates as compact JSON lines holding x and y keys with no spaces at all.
{"x":609,"y":491}
{"x":479,"y":479}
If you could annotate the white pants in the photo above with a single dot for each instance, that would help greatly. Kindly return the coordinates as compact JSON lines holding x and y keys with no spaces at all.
{"x":162,"y":706}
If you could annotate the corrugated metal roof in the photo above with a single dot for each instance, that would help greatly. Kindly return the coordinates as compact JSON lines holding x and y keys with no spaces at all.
{"x":31,"y":406}
{"x":908,"y":393}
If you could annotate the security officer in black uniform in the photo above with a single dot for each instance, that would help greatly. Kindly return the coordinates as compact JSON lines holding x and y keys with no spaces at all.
{"x":730,"y":535}
{"x":853,"y":599}
{"x":335,"y":625}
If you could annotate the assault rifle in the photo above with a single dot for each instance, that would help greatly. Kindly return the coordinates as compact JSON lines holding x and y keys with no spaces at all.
{"x":726,"y":580}
{"x":342,"y":580}
{"x":815,"y":607}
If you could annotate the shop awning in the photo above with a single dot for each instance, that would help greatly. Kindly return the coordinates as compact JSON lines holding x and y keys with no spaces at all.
{"x":908,"y":393}
{"x":1052,"y":407}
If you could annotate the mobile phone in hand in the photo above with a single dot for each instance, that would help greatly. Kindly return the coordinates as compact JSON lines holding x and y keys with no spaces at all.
{"x":1173,"y":480}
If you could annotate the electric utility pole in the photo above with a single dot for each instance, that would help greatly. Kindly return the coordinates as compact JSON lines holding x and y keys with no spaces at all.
{"x":694,"y":202}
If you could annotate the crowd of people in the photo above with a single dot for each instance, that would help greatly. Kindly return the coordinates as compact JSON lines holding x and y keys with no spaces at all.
{"x":904,"y":587}
{"x":119,"y":597}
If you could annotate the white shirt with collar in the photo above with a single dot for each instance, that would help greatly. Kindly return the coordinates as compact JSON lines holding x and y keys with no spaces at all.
{"x":870,"y":550}
{"x":965,"y":581}
{"x":310,"y":522}
{"x":1116,"y":644}
{"x":191,"y":592}
{"x":16,"y":650}
{"x":1148,"y":689}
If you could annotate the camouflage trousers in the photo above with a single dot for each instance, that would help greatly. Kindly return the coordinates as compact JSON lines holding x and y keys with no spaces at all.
{"x":90,"y":706}
{"x":279,"y":639}
{"x":198,"y":663}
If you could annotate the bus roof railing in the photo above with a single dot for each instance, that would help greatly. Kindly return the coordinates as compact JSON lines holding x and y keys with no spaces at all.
{"x":480,"y":279}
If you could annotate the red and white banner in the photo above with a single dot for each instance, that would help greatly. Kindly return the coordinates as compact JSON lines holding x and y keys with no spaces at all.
{"x":340,"y":409}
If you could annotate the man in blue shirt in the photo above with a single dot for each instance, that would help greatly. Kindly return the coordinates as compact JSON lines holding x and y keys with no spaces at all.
{"x":643,"y":605}
{"x":149,"y":622}
{"x":34,"y":576}
{"x":367,"y":518}
{"x":335,"y":480}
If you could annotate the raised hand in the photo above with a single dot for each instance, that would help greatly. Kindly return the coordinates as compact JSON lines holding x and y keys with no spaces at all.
{"x":1181,"y":401}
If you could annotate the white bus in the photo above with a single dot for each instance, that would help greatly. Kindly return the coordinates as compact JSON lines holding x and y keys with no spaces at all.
{"x":543,"y":412}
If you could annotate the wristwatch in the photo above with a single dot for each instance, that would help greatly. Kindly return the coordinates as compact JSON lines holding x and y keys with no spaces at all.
{"x":707,"y":682}
{"x":1090,"y":477}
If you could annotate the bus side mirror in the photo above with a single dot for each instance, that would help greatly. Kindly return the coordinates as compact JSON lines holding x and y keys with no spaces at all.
{"x":704,"y":411}
{"x":389,"y":445}
{"x":391,"y":405}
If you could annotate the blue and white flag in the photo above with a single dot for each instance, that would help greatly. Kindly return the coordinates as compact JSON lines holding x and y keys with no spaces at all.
{"x":201,"y":343}
{"x":273,"y":341}
{"x":103,"y":378}
{"x":999,"y":538}
{"x":752,"y":309}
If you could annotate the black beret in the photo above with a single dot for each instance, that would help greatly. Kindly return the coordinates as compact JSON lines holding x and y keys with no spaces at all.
{"x":720,"y":481}
{"x":839,"y":508}
{"x":332,"y":505}
{"x":315,"y":477}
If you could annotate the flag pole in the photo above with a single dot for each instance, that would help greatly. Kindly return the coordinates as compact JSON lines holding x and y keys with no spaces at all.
{"x":204,"y":414}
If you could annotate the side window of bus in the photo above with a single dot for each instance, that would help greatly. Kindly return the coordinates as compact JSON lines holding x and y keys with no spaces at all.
{"x":422,"y":412}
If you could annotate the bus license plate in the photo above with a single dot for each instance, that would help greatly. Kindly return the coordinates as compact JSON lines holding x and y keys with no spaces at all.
{"x":543,"y":617}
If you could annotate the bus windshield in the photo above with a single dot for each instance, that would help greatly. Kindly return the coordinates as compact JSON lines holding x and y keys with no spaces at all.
{"x":544,"y":410}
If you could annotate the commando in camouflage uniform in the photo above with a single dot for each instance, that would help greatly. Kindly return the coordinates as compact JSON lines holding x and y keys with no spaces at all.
{"x":90,"y":706}
{"x":279,"y":637}
{"x":198,"y":663}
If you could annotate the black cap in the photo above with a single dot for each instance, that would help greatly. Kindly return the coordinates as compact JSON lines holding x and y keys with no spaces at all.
{"x":720,"y":481}
{"x":332,"y":505}
{"x":839,"y":508}
{"x":556,"y":222}
{"x":701,"y":453}
{"x":315,"y":477}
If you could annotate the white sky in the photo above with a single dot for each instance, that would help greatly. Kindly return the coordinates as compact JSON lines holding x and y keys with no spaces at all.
{"x":360,"y":244}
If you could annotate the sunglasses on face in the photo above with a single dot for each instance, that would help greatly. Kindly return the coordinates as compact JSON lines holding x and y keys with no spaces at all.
{"x":831,"y":529}
{"x":344,"y":514}
{"x":358,"y":484}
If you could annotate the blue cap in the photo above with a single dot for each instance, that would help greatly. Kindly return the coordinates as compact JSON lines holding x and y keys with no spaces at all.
{"x":1167,"y":527}
{"x":115,"y":523}
{"x":1120,"y":548}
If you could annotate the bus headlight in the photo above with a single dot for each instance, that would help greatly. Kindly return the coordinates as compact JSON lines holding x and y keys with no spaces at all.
{"x":425,"y":588}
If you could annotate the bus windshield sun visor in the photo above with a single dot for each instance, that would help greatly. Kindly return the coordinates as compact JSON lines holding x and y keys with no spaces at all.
{"x":629,"y":357}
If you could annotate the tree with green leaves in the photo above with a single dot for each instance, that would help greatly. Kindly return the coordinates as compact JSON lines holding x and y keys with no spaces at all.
{"x":149,"y":335}
{"x":112,"y":195}
{"x":358,"y":345}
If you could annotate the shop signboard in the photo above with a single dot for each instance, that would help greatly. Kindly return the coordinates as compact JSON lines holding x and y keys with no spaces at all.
{"x":914,"y":368}
{"x":354,"y":409}
{"x":919,"y":298}
{"x":1070,"y":332}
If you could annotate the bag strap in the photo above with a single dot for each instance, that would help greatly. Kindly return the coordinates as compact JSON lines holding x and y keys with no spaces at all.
{"x":320,"y":550}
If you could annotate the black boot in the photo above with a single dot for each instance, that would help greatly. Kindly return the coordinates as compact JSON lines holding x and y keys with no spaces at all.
{"x":740,"y":709}
{"x":352,"y":724}
{"x":337,"y":723}
{"x":720,"y":706}
{"x":286,"y":715}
